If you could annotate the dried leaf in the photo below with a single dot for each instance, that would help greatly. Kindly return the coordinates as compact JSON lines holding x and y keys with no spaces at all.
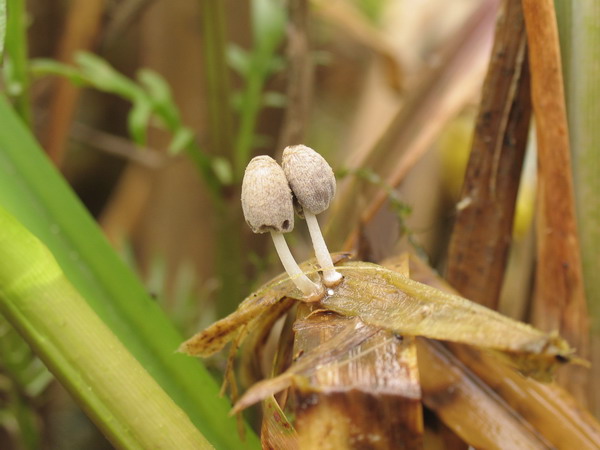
{"x":351,"y":334}
{"x":369,"y":397}
{"x":216,"y":336}
{"x":468,"y":406}
{"x":249,"y":312}
{"x":388,"y":300}
{"x":545,"y":406}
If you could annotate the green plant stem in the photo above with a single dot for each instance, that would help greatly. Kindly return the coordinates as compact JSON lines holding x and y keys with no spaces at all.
{"x":229,"y":262}
{"x":251,"y":103}
{"x":268,"y":29}
{"x":26,"y":418}
{"x":16,"y":49}
{"x":218,"y":95}
{"x":203,"y":164}
{"x":227,"y":221}
{"x":111,"y":385}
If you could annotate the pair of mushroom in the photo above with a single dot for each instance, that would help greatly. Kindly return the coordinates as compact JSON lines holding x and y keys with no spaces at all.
{"x":269,"y":194}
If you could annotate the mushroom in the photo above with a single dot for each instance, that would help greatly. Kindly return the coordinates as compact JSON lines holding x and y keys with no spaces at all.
{"x":268,"y":207}
{"x":313,"y":184}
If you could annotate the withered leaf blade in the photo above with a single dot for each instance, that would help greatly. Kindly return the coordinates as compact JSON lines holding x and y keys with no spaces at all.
{"x":351,"y":335}
{"x":215,"y":337}
{"x":389,"y":300}
{"x":342,"y":350}
{"x":368,"y":397}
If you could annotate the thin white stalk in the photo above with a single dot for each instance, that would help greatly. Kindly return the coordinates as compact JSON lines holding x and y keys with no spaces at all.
{"x":299,"y":278}
{"x":331,"y":277}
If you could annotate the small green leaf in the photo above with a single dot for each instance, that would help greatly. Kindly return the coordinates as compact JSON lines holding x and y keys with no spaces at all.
{"x":182,"y":138}
{"x":156,"y":85}
{"x":238,"y":59}
{"x":103,"y":76}
{"x":40,"y":67}
{"x":223,"y":170}
{"x":160,"y":93}
{"x":268,"y":24}
{"x":138,"y":120}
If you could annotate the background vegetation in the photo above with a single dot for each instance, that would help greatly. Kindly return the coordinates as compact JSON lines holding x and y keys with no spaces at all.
{"x":148,"y":112}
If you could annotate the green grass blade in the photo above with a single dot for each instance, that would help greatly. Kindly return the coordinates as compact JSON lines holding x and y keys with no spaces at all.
{"x":33,"y":191}
{"x":16,"y":77}
{"x":118,"y":394}
{"x":2,"y":27}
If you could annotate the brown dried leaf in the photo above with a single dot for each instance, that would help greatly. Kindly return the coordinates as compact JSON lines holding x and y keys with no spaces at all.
{"x":369,"y":397}
{"x":249,"y":312}
{"x":468,"y":406}
{"x":388,"y":300}
{"x":352,"y":333}
{"x":544,"y":406}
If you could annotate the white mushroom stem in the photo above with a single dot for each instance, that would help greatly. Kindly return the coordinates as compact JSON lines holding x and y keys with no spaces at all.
{"x":331,"y":277}
{"x":299,"y":278}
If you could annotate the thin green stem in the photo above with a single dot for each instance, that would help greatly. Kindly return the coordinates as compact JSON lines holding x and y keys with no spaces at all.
{"x":229,"y":263}
{"x":218,"y":95}
{"x":203,"y":164}
{"x":251,"y":103}
{"x":16,"y":69}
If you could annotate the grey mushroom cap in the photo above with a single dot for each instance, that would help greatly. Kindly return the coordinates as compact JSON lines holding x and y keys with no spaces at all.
{"x":310,"y":177}
{"x":266,"y":197}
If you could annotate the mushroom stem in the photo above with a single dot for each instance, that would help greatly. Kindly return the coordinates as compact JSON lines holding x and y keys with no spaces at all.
{"x":331,"y":277}
{"x":299,"y":278}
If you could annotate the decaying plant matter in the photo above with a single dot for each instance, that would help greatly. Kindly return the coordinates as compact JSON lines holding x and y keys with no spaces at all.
{"x":373,"y":315}
{"x":354,"y":344}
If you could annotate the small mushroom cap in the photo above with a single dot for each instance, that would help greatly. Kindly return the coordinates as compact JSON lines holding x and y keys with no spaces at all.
{"x":266,"y":197}
{"x":310,"y":177}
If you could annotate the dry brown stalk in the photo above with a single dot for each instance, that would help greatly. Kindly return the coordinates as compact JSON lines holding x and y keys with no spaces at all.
{"x":482,"y":231}
{"x":438,"y":97}
{"x":124,"y":16}
{"x":546,"y":408}
{"x":300,"y":75}
{"x":559,"y":302}
{"x":372,"y":399}
{"x":468,"y":406}
{"x":347,"y":16}
{"x":82,"y":27}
